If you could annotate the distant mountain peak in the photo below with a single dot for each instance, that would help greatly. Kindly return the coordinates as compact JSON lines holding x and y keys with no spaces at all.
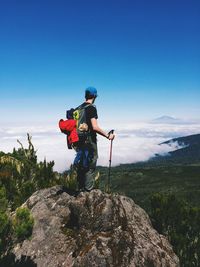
{"x":166,"y":119}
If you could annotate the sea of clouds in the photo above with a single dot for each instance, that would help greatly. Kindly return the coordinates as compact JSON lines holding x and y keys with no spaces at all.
{"x":135,"y":141}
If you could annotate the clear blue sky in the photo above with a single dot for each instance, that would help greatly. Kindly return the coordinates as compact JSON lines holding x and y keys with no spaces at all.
{"x":142,"y":56}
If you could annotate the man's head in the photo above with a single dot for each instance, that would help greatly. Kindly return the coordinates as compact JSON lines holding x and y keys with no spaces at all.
{"x":90,"y":93}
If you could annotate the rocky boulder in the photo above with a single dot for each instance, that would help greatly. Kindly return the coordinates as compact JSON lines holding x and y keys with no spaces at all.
{"x":91,"y":229}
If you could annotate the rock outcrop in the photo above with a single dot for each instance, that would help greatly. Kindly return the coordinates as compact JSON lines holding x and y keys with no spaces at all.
{"x":91,"y":229}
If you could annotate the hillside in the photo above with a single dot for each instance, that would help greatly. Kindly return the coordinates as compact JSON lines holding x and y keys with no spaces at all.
{"x":177,"y":172}
{"x":189,"y":153}
{"x":189,"y":140}
{"x":139,"y":182}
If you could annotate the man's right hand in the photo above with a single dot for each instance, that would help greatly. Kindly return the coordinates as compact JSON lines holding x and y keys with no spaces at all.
{"x":111,"y":136}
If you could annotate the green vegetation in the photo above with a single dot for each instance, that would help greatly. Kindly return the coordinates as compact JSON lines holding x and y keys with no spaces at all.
{"x":20,"y":176}
{"x":22,"y":223}
{"x":20,"y":226}
{"x":176,"y":219}
{"x":4,"y":219}
{"x":171,"y":196}
{"x":188,"y":153}
{"x":170,"y":193}
{"x":139,"y":182}
{"x":71,"y":181}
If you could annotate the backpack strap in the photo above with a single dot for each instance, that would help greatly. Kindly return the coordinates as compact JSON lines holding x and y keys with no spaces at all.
{"x":81,"y":107}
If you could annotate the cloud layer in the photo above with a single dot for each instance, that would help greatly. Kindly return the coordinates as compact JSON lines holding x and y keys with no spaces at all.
{"x":134,"y":142}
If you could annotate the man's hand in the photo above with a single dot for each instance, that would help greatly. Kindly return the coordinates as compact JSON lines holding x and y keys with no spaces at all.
{"x":111,"y":136}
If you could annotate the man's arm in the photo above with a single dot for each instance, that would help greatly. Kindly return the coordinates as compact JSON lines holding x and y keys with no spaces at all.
{"x":97,"y":129}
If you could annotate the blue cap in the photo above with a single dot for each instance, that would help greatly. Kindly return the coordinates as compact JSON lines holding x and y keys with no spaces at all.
{"x":92,"y":91}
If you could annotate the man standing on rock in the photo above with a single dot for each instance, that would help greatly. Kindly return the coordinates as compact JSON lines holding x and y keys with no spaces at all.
{"x":87,"y":128}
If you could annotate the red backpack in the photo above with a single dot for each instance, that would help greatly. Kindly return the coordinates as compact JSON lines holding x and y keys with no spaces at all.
{"x":75,"y":127}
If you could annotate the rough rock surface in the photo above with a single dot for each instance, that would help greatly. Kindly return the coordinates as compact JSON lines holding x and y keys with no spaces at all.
{"x":92,"y":229}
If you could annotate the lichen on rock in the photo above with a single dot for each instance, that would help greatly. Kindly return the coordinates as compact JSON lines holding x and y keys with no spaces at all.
{"x":92,"y":229}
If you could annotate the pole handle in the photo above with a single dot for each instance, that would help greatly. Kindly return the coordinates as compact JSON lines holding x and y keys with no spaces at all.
{"x":111,"y":132}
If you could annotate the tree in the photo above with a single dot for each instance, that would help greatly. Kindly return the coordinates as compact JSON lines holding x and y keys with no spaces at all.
{"x":4,"y":220}
{"x":176,"y":219}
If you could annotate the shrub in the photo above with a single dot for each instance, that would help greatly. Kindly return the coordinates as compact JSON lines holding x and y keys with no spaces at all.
{"x":72,"y":179}
{"x":22,"y":224}
{"x":4,"y":228}
{"x":4,"y":219}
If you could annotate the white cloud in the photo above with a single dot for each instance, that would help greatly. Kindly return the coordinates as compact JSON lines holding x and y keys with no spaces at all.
{"x":136,"y":141}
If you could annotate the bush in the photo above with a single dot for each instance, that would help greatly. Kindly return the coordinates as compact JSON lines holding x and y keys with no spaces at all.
{"x":3,"y":200}
{"x":22,"y":224}
{"x":4,"y":219}
{"x":4,"y":228}
{"x":71,"y":181}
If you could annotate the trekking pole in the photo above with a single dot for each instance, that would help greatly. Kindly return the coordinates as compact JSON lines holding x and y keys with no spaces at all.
{"x":110,"y":160}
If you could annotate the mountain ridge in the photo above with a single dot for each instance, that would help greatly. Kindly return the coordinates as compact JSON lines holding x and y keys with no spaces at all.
{"x":187,"y":153}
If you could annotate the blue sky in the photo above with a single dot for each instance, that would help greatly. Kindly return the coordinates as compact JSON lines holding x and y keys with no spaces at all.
{"x":142,"y":56}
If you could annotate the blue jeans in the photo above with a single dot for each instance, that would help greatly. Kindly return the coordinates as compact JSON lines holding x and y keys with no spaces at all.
{"x":85,"y":163}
